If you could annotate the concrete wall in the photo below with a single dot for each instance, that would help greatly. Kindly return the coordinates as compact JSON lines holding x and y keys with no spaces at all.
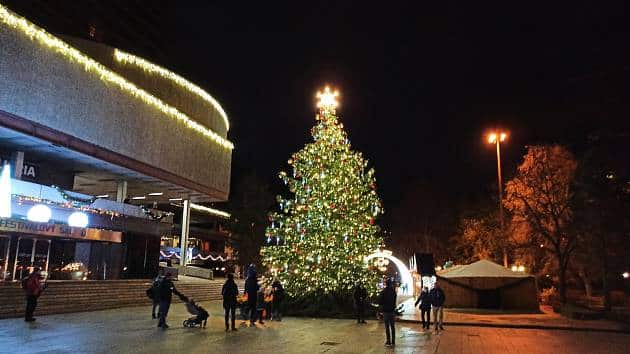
{"x":43,"y":86}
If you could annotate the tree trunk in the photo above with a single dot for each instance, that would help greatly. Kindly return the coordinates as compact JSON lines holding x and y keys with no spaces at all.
{"x":562,"y":282}
{"x":588,"y":287}
{"x":605,"y":289}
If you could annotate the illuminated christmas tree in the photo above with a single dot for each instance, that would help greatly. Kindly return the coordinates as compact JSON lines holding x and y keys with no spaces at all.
{"x":318,"y":240}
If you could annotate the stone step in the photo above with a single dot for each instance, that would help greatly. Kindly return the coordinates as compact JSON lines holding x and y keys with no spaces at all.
{"x":77,"y":296}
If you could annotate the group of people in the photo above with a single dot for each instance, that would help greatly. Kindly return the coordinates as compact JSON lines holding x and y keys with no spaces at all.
{"x":428,"y":300}
{"x":432,"y":300}
{"x":256,"y":304}
{"x":162,"y":290}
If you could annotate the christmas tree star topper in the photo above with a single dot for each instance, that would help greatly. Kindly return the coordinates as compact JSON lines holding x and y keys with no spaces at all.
{"x":327,"y":99}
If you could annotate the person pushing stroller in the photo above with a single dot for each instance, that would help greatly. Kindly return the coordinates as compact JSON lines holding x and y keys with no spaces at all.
{"x":199,"y":314}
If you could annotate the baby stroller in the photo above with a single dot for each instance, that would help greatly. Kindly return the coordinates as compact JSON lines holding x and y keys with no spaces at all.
{"x":200,"y":315}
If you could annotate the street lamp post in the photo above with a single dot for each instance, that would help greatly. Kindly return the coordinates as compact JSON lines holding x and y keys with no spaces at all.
{"x":496,"y":138}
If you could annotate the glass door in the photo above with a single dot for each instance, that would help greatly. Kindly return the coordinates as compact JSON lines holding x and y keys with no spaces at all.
{"x":30,"y":253}
{"x":5,"y":243}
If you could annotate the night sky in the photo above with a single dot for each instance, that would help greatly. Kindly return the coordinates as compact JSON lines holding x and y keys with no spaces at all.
{"x":420,"y":83}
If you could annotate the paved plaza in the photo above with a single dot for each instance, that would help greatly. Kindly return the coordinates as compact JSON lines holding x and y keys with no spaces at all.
{"x":131,"y":330}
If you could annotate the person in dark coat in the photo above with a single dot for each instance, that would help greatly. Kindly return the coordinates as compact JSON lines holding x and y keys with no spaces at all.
{"x":360,"y":298}
{"x":387,"y":301}
{"x":437,"y":304}
{"x":425,"y":307}
{"x":251,"y":288}
{"x":230,"y":292}
{"x":165,"y":292}
{"x":33,"y":288}
{"x":155,"y":296}
{"x":278,"y":297}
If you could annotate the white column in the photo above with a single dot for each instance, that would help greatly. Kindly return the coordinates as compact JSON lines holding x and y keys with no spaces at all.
{"x":18,"y":164}
{"x":121,"y":191}
{"x":185,"y":228}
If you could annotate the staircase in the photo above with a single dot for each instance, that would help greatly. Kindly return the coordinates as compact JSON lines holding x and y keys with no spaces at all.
{"x":77,"y":296}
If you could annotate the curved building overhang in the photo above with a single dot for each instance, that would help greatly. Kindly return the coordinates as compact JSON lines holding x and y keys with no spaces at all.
{"x":120,"y":116}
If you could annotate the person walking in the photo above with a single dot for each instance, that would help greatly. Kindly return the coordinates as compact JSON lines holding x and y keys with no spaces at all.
{"x":425,"y":307}
{"x":278,"y":297}
{"x":155,"y":296}
{"x":230,"y":292}
{"x":437,"y":304}
{"x":165,"y":292}
{"x":33,"y":288}
{"x":360,"y":298}
{"x":251,"y":288}
{"x":387,"y":301}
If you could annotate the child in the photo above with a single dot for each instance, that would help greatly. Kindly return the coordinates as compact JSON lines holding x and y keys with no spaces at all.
{"x":260,"y":304}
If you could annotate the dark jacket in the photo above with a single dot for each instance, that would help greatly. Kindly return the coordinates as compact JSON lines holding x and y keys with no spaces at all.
{"x":387,"y":299}
{"x":229,"y":292}
{"x":437,"y":297}
{"x":33,"y":285}
{"x":360,"y":295}
{"x":166,"y":290}
{"x":278,"y":292}
{"x":251,"y":287}
{"x":424,"y":300}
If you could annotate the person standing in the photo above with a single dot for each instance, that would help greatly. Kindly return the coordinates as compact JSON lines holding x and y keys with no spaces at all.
{"x":387,"y":301}
{"x":437,"y":303}
{"x":251,"y":288}
{"x":33,"y":288}
{"x":165,"y":296}
{"x":278,"y":296}
{"x":425,"y":307}
{"x":360,"y":298}
{"x":155,"y":296}
{"x":230,"y":292}
{"x":260,"y":302}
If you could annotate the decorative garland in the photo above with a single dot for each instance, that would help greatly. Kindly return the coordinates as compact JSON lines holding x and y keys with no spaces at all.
{"x":73,"y":199}
{"x":198,"y":256}
{"x":152,"y":215}
{"x":68,"y":205}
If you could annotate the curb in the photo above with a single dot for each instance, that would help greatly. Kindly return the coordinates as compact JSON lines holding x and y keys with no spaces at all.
{"x":526,"y":326}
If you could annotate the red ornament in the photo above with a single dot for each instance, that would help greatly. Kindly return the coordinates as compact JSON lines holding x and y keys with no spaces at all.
{"x":332,"y":206}
{"x":371,"y":221}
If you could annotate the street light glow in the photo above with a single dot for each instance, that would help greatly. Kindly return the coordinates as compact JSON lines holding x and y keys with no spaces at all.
{"x":494,"y":136}
{"x":626,"y":275}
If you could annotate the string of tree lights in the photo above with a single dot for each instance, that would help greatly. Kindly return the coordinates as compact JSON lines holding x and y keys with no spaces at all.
{"x":319,"y":239}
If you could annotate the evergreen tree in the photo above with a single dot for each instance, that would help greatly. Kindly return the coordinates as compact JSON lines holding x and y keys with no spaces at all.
{"x":320,"y":237}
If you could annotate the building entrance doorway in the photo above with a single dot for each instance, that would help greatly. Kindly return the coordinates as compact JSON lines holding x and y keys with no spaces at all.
{"x":31,"y":252}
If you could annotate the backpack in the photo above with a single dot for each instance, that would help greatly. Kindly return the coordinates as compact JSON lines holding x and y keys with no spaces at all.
{"x":152,"y":291}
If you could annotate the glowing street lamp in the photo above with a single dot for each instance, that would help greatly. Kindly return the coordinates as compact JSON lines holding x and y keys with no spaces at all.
{"x":497,"y":137}
{"x":625,"y":275}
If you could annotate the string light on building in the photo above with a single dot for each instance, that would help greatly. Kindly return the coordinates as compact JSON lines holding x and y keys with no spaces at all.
{"x":126,"y":58}
{"x":209,"y":210}
{"x":105,"y":74}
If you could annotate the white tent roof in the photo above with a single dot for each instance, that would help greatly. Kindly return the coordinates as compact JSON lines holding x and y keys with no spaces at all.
{"x":482,"y":268}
